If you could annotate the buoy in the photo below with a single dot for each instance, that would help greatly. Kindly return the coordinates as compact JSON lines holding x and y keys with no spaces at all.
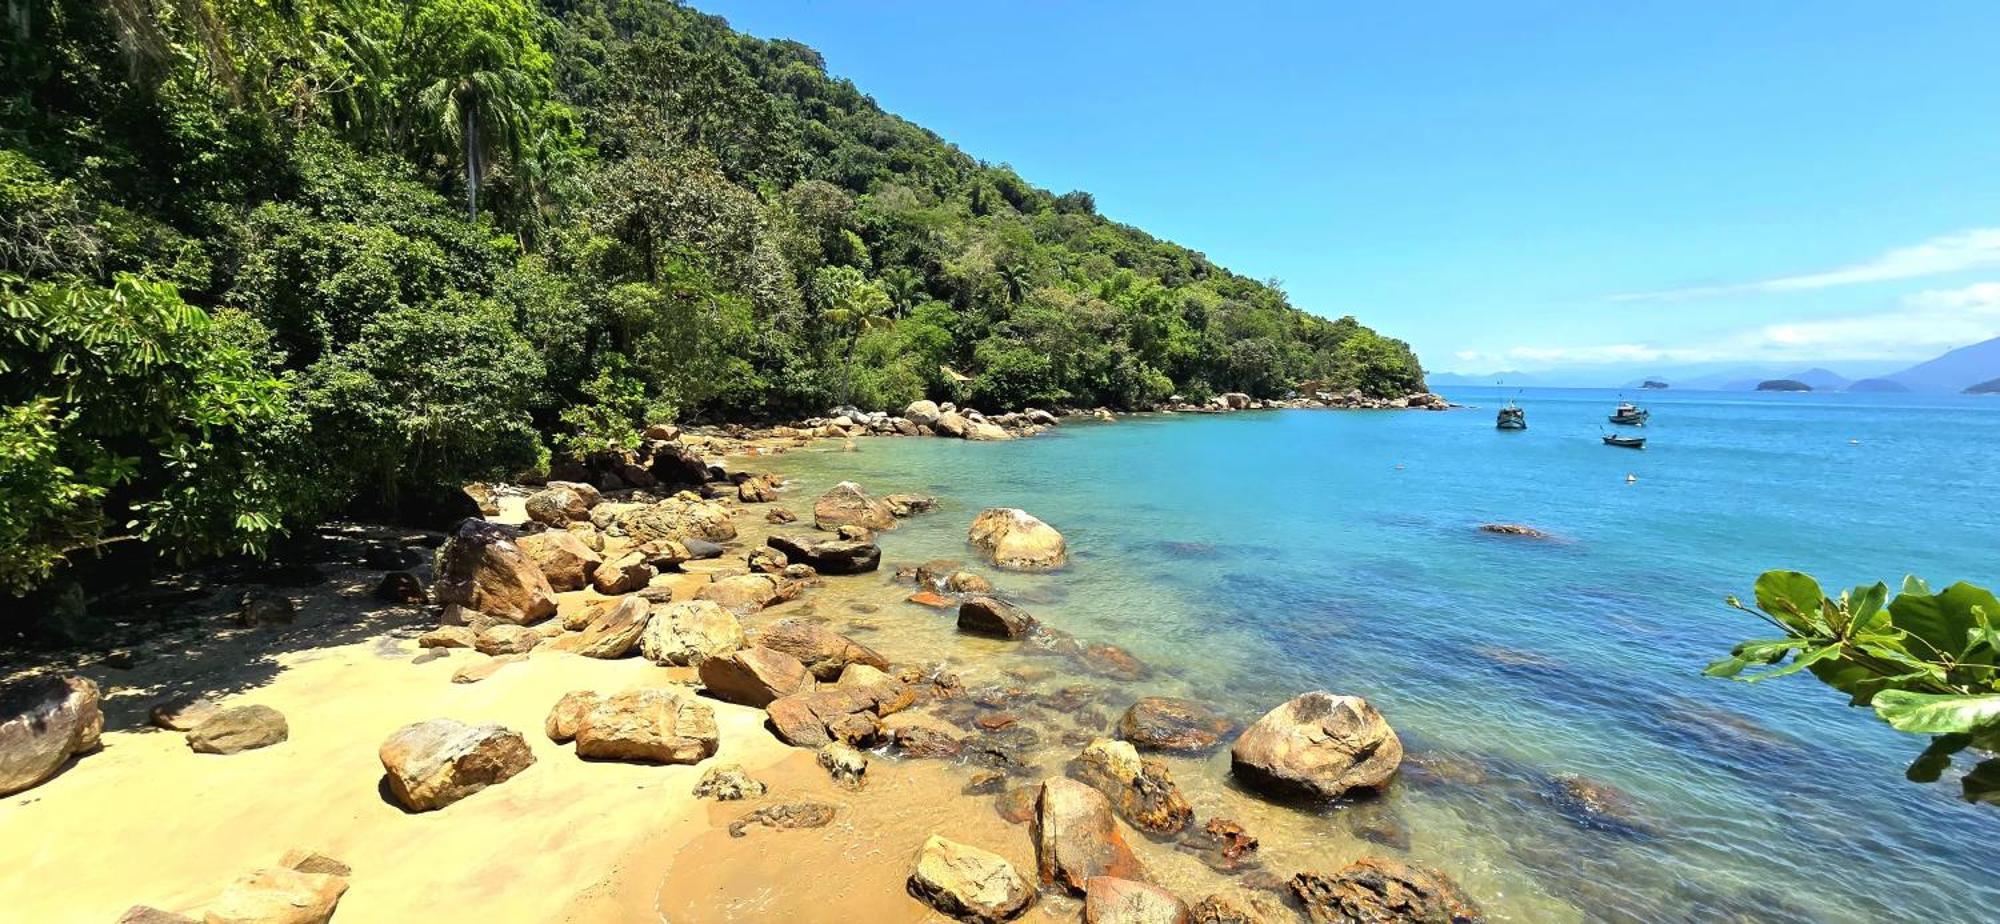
{"x":1631,"y":479}
{"x":1853,"y":442}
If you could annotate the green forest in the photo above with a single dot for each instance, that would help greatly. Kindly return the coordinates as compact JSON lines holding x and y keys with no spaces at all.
{"x":262,"y":263}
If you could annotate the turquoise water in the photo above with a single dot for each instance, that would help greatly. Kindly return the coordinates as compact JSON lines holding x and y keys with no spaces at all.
{"x":1252,"y":556}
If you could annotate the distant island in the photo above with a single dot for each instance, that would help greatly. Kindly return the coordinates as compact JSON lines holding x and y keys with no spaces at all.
{"x":1783,"y":385}
{"x":1988,"y":387}
{"x":1882,"y":386}
{"x":1653,"y":383}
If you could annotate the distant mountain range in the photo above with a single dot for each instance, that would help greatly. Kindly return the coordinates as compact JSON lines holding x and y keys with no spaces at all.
{"x":1956,"y":371}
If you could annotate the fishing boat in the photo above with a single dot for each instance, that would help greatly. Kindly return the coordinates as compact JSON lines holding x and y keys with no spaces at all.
{"x":1630,"y":414}
{"x":1512,"y":418}
{"x":1628,"y":442}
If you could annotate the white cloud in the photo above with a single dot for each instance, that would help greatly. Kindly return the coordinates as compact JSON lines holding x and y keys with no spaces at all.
{"x":1922,"y":324}
{"x":1975,"y":249}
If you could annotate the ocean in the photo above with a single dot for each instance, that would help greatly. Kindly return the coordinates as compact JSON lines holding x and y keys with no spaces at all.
{"x":1568,"y":759}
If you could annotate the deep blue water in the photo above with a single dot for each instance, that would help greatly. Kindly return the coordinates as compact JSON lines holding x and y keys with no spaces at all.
{"x":1256,"y":555}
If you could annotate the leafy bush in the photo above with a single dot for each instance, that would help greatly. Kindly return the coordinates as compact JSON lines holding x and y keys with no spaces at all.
{"x":1927,"y":662}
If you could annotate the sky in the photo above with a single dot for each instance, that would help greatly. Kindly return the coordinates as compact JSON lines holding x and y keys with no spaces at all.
{"x":1522,"y":185}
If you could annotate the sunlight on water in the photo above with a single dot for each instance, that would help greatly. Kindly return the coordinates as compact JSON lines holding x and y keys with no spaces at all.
{"x":1249,"y":557}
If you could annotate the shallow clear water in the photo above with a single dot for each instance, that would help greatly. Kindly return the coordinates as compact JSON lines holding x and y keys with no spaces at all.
{"x":1252,"y":556}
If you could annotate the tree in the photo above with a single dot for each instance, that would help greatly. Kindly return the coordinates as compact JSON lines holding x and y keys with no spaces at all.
{"x":478,"y":79}
{"x":1926,"y":662}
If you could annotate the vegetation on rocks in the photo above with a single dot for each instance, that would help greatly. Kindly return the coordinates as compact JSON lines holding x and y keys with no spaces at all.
{"x":259,"y":263}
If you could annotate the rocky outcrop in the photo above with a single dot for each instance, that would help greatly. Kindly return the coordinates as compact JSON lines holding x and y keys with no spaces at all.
{"x":829,"y":556}
{"x":1140,"y":789}
{"x":1015,"y":540}
{"x":240,"y":728}
{"x":449,"y":637}
{"x":683,"y":516}
{"x":43,"y":722}
{"x":968,"y":883}
{"x":994,"y":617}
{"x":1513,"y":529}
{"x":690,"y":632}
{"x":648,"y":725}
{"x":506,"y":639}
{"x":277,"y":896}
{"x":848,"y":505}
{"x":823,"y":651}
{"x":432,"y":764}
{"x":1319,"y":745}
{"x":909,"y":505}
{"x":744,"y":594}
{"x":559,"y":504}
{"x":481,"y":568}
{"x":1077,"y":838}
{"x":1375,"y":889}
{"x":615,"y":632}
{"x":816,"y":718}
{"x":1109,"y":900}
{"x":1244,"y":908}
{"x":753,"y":676}
{"x":1164,"y":723}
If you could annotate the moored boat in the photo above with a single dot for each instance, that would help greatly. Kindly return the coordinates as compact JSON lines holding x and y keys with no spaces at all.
{"x":1630,"y":414}
{"x":1628,"y":442}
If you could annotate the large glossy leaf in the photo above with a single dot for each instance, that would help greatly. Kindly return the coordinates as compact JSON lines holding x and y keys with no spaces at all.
{"x":1799,"y":662}
{"x":1937,"y":714}
{"x":1793,"y":599}
{"x":1749,"y":654}
{"x":1865,"y":606}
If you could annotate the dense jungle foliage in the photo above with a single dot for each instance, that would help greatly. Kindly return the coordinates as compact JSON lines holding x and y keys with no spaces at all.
{"x":264,"y":261}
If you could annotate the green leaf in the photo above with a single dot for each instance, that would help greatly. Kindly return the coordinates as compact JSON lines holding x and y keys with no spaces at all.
{"x":1937,"y":714}
{"x":1799,"y":663}
{"x":1748,"y":654}
{"x":1865,"y":608}
{"x":1794,"y":599}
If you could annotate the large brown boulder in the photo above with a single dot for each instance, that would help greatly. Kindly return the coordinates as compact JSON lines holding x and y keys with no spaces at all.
{"x":623,"y":574}
{"x":567,"y":714}
{"x":682,"y":516}
{"x":994,"y":617}
{"x":690,"y":632}
{"x":923,"y":413}
{"x":890,"y":694}
{"x":676,"y":464}
{"x":277,"y":896}
{"x":952,"y":423}
{"x":567,"y":562}
{"x":558,"y":505}
{"x":744,"y":594}
{"x":1141,"y":789}
{"x":823,"y":651}
{"x":506,"y":639}
{"x":847,"y":505}
{"x":1015,"y":540}
{"x":1165,"y":723}
{"x":1319,"y":745}
{"x":648,"y":725}
{"x":435,"y":763}
{"x":1110,"y":900}
{"x":968,"y":883}
{"x":1076,"y":837}
{"x":482,"y":568}
{"x":829,"y":556}
{"x":615,"y":632}
{"x":753,"y":676}
{"x":43,"y":721}
{"x":820,"y":717}
{"x":239,"y":728}
{"x":1376,"y":889}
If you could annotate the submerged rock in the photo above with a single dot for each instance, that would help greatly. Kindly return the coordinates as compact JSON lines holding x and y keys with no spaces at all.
{"x":432,"y":764}
{"x":43,"y":722}
{"x":968,"y":883}
{"x":1600,"y":806}
{"x":1244,"y":908}
{"x":1077,"y":838}
{"x":1165,"y":723}
{"x":994,"y":617}
{"x":1015,"y":540}
{"x":787,"y":815}
{"x":829,"y":556}
{"x":1514,"y":529}
{"x":1376,"y":889}
{"x":1319,"y":745}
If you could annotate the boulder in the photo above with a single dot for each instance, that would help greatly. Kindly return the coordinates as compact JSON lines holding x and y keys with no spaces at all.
{"x":1244,"y":908}
{"x":615,"y":632}
{"x":1165,"y":723}
{"x":829,"y":556}
{"x":401,"y":587}
{"x":567,"y":715}
{"x":844,"y":764}
{"x":682,"y":516}
{"x":1513,"y":529}
{"x":816,"y":718}
{"x":449,"y":637}
{"x":624,"y":574}
{"x":1076,"y":837}
{"x":1109,"y":900}
{"x":277,"y":896}
{"x":753,"y":676}
{"x":917,"y":741}
{"x":823,"y":651}
{"x":847,"y":505}
{"x":968,"y":883}
{"x":1319,"y":745}
{"x":953,"y":424}
{"x":965,"y":582}
{"x":557,"y":505}
{"x":481,"y":568}
{"x":239,"y":728}
{"x":922,"y":413}
{"x":890,"y":694}
{"x":744,"y":594}
{"x":676,"y":464}
{"x":1235,"y":400}
{"x":43,"y":721}
{"x":181,"y":713}
{"x":1041,"y":418}
{"x":785,"y":816}
{"x":566,"y":559}
{"x":909,"y":505}
{"x":987,"y":432}
{"x":1112,"y":661}
{"x":690,"y":632}
{"x":648,"y":725}
{"x":727,"y":783}
{"x":432,"y":764}
{"x":994,"y":617}
{"x":506,"y":639}
{"x":1140,"y":789}
{"x":1015,"y":540}
{"x":1378,"y":889}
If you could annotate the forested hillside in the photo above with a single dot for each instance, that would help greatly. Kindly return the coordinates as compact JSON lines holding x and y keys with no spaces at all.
{"x":264,"y":261}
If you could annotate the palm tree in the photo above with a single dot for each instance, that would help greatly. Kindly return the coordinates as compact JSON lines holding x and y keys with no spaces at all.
{"x":479,"y":113}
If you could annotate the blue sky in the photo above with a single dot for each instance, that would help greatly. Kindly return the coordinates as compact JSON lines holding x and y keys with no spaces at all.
{"x":1507,"y":186}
